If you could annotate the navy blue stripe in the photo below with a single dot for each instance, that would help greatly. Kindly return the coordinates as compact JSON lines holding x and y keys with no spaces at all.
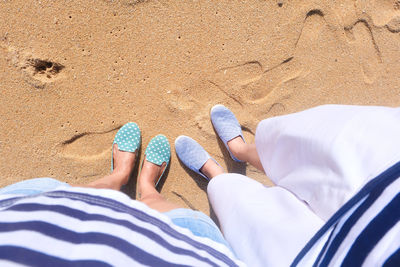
{"x":117,"y":206}
{"x":33,"y":258}
{"x":374,"y":232}
{"x":348,"y":225}
{"x":384,"y":179}
{"x":325,"y":247}
{"x":10,"y":201}
{"x":393,"y":260}
{"x":59,"y":233}
{"x":82,"y":216}
{"x":120,"y":207}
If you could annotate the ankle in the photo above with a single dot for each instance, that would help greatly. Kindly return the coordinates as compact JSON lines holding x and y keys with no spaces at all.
{"x":146,"y":189}
{"x":120,"y":176}
{"x":238,"y":148}
{"x":150,"y":172}
{"x":211,"y":174}
{"x":148,"y":178}
{"x":211,"y":169}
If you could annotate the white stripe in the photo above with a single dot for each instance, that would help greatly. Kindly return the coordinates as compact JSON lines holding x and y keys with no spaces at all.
{"x":80,"y":205}
{"x":65,"y":250}
{"x":340,"y":223}
{"x":384,"y":248}
{"x":311,"y":256}
{"x":4,"y":199}
{"x":380,"y":203}
{"x":134,"y":238}
{"x":5,"y":263}
{"x":148,"y":245}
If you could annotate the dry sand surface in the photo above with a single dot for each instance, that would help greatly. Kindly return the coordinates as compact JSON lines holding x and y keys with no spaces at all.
{"x":73,"y":72}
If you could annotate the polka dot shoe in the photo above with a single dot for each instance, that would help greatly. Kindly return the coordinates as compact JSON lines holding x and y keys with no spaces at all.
{"x":127,"y":138}
{"x":158,"y":151}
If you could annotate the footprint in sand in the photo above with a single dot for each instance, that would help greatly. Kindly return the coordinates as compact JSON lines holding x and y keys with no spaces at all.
{"x":44,"y":71}
{"x":203,"y":124}
{"x":380,"y":11}
{"x":87,"y":146}
{"x":178,"y":99}
{"x":309,"y":38}
{"x":249,"y":83}
{"x":306,"y":47}
{"x":361,"y":37}
{"x":232,"y":81}
{"x":37,"y":72}
{"x":394,"y":25}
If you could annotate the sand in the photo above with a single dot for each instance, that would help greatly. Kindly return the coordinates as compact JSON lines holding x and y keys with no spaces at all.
{"x":73,"y":72}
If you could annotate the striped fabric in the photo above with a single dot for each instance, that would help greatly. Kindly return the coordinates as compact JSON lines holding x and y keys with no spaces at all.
{"x":77,"y":226}
{"x":92,"y":227}
{"x":364,"y":232}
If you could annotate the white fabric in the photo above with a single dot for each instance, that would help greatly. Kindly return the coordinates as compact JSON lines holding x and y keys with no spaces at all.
{"x":258,"y":221}
{"x":323,"y":156}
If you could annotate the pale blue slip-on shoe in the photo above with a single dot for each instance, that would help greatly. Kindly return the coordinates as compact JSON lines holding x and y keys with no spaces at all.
{"x":158,"y":151}
{"x":127,"y":138}
{"x":226,"y":125}
{"x":192,"y":154}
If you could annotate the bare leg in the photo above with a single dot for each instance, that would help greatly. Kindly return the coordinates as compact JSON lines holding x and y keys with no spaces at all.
{"x":147,"y":189}
{"x":245,"y":152}
{"x":124,"y":163}
{"x":241,"y":150}
{"x":211,"y":169}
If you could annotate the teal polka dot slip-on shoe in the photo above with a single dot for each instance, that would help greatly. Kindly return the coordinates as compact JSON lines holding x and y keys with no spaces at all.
{"x":128,"y":139}
{"x":158,"y":151}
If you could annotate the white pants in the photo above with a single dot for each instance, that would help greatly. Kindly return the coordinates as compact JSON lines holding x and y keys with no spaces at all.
{"x":318,"y":158}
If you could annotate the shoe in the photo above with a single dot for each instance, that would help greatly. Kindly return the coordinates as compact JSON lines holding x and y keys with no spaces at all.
{"x":192,"y":154}
{"x":226,"y":125}
{"x":158,"y":151}
{"x":128,"y":139}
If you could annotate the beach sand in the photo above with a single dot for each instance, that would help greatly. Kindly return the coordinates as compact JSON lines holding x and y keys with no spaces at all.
{"x":73,"y":72}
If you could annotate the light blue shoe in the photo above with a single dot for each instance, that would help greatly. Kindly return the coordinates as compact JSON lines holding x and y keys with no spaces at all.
{"x":192,"y":154}
{"x":226,"y":125}
{"x":128,"y":139}
{"x":158,"y":151}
